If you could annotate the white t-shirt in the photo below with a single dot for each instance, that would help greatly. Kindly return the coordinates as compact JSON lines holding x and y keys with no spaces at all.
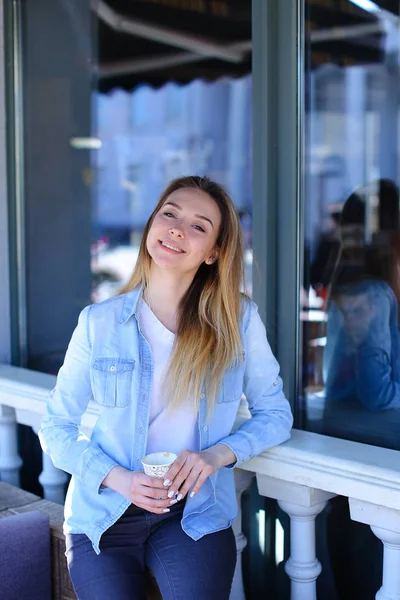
{"x":167,"y":432}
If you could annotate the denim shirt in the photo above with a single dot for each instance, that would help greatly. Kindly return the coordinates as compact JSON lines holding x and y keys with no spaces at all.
{"x":109,"y":361}
{"x":362,"y":365}
{"x":361,"y":358}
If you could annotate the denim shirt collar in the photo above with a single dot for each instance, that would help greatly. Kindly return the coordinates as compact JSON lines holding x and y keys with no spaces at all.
{"x":130,"y":304}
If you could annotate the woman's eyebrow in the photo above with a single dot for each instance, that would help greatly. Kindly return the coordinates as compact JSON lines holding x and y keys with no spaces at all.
{"x":198,"y":216}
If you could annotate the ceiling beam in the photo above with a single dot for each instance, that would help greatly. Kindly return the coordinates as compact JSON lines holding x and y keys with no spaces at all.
{"x":346,"y":32}
{"x":155,"y":63}
{"x":164,"y":35}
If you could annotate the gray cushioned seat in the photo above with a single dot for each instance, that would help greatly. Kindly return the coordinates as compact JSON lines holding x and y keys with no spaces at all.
{"x":25,"y":557}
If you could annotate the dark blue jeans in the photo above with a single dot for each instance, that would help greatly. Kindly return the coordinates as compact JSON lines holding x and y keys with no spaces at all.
{"x":184,"y":569}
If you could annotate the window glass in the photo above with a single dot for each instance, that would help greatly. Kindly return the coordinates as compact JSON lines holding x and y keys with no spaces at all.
{"x":351,"y":290}
{"x":110,"y":118}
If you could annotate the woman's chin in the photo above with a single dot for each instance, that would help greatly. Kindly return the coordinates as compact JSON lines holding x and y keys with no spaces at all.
{"x":164,"y":263}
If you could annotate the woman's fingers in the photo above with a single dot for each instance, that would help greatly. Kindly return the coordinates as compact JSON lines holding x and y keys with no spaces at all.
{"x":152,"y":508}
{"x":155,"y":493}
{"x":206,"y":472}
{"x":197,"y":476}
{"x":195,"y":464}
{"x":182,"y":474}
{"x":176,"y":466}
{"x":178,"y":472}
{"x":149,"y":493}
{"x":154,"y":482}
{"x":191,"y":469}
{"x":151,"y":503}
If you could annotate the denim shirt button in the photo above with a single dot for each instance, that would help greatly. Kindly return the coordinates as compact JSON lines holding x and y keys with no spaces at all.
{"x":112,"y":368}
{"x":202,"y":395}
{"x":276,"y":382}
{"x":205,"y":428}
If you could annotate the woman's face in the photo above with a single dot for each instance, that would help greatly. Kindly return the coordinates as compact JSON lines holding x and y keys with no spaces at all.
{"x":184,"y":232}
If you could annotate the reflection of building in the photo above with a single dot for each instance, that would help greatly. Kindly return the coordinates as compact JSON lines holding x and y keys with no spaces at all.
{"x":152,"y":136}
{"x":318,"y":116}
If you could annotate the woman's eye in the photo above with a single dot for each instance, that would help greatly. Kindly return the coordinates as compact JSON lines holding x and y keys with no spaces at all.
{"x":199,"y":228}
{"x":168,"y":214}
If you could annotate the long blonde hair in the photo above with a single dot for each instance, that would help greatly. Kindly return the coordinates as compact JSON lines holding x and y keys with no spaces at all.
{"x":207,"y":341}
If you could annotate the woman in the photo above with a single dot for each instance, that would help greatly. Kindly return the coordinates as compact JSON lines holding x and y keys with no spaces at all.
{"x":167,"y":362}
{"x":362,"y":354}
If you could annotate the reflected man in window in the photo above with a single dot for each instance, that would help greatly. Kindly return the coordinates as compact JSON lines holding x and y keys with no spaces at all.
{"x":362,"y":354}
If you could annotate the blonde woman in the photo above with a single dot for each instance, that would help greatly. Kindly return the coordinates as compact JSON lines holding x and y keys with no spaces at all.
{"x":167,"y":362}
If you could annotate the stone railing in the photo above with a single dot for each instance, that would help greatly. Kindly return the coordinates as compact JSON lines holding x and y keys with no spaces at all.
{"x":302,"y":474}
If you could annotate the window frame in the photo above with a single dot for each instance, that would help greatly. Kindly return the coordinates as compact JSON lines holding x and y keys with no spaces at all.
{"x":278,"y":158}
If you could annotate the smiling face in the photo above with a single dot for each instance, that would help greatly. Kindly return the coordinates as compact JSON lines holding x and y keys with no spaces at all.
{"x":184,"y":232}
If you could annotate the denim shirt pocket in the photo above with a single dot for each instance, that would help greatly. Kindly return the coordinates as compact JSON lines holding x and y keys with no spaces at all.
{"x":112,"y":381}
{"x":232,"y":385}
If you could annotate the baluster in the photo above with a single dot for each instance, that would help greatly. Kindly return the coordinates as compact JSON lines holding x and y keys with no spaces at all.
{"x":385,"y":524}
{"x":303,"y":567}
{"x":390,"y":589}
{"x":242,"y":482}
{"x":10,"y":460}
{"x":302,"y":504}
{"x":52,"y":480}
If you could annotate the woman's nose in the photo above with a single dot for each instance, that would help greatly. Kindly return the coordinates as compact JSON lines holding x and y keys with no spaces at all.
{"x":176,"y":231}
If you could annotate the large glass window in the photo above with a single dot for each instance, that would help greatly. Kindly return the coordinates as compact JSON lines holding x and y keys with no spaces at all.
{"x":201,"y":127}
{"x":351,"y":288}
{"x":112,"y":112}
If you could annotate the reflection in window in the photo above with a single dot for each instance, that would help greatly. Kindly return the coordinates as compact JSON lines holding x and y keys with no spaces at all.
{"x":350,"y":299}
{"x":132,"y":185}
{"x":139,"y":106}
{"x":174,"y":100}
{"x":210,"y":135}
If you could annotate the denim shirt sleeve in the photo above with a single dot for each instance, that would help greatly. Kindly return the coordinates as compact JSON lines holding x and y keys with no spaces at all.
{"x":376,"y":386}
{"x":60,"y":438}
{"x":271,"y":417}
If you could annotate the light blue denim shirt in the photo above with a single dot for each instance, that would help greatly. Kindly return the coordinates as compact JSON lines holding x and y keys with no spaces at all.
{"x":109,"y":361}
{"x":361,"y":358}
{"x":362,"y":365}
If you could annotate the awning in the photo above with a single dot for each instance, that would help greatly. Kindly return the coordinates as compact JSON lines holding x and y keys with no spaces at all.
{"x":155,"y":41}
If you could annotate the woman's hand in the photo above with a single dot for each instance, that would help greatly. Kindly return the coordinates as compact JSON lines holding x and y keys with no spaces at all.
{"x":193,"y":468}
{"x":145,"y":492}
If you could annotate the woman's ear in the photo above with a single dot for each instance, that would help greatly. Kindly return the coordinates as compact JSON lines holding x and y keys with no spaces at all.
{"x":213,"y":257}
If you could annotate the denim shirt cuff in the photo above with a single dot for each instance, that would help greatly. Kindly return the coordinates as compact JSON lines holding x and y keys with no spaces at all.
{"x":96,"y":470}
{"x":240,"y":447}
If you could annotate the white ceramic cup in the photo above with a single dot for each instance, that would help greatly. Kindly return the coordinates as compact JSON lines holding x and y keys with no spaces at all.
{"x":158,"y":463}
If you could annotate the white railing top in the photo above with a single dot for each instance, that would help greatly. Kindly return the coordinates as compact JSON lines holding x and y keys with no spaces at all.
{"x":27,"y":391}
{"x":315,"y":461}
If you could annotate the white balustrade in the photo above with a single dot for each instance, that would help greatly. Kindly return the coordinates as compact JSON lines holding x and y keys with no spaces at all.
{"x":243,"y":481}
{"x":10,"y":460}
{"x":385,"y":523}
{"x":303,"y":567}
{"x":390,"y":589}
{"x":52,"y":480}
{"x":302,"y":504}
{"x":301,"y":474}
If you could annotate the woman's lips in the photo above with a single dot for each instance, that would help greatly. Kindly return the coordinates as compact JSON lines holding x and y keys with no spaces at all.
{"x":172,"y":248}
